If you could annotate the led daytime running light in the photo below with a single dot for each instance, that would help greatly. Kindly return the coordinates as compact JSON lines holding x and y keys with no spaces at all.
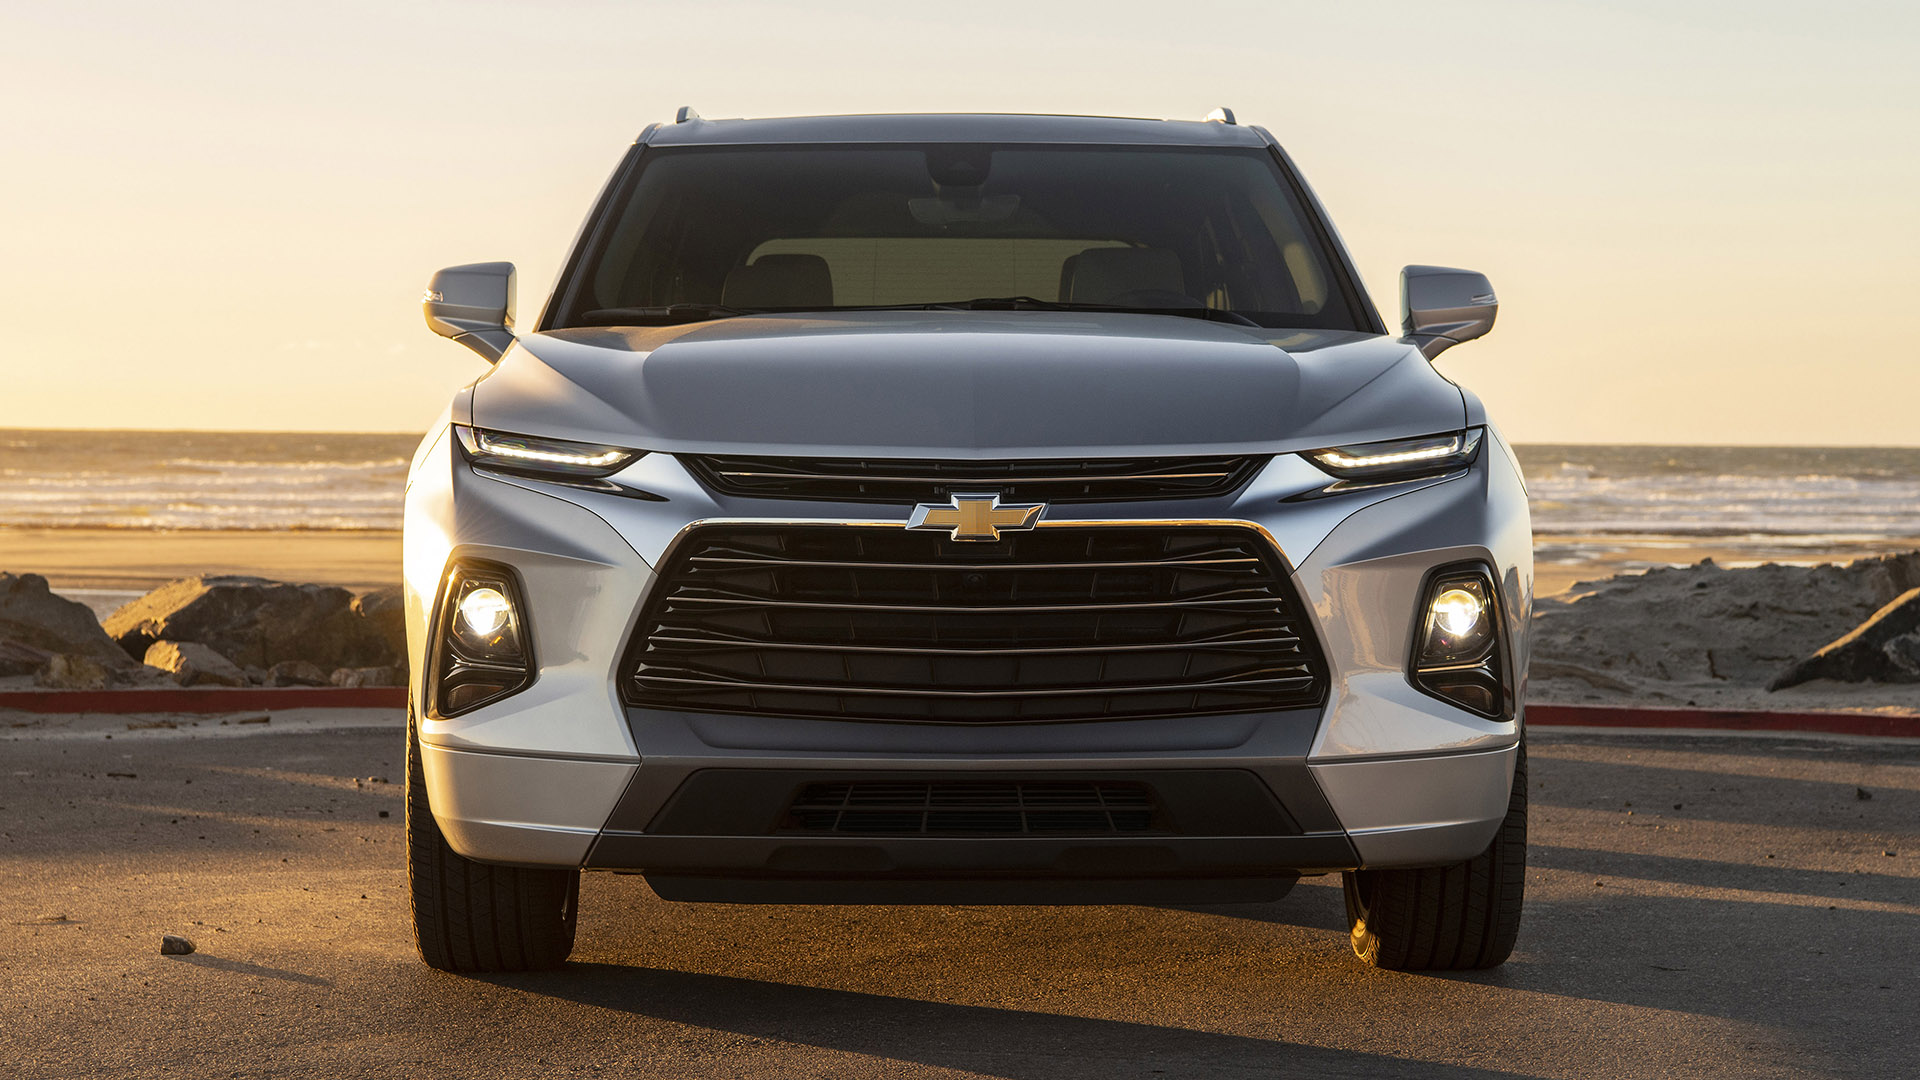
{"x":1340,"y":460}
{"x":493,"y":445}
{"x":533,"y":455}
{"x":1400,"y":459}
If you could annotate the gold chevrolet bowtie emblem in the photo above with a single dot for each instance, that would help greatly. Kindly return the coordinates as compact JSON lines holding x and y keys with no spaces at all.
{"x":974,"y":517}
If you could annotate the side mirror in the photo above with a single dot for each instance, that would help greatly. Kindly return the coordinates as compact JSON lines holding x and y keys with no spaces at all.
{"x":473,"y":305}
{"x":1441,"y":307}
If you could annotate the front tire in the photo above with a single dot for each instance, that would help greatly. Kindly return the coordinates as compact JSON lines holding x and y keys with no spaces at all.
{"x":1446,"y":918}
{"x":474,"y":917}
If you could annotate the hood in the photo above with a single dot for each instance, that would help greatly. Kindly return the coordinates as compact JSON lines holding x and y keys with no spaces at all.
{"x":965,"y":385}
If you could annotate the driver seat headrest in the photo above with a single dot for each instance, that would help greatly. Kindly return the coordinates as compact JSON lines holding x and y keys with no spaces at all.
{"x":780,"y":281}
{"x":1098,"y":275}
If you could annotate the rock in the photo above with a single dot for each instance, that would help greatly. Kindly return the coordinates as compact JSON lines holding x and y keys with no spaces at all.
{"x":1903,"y":653}
{"x":31,"y":615}
{"x":175,"y":945}
{"x":386,"y":611}
{"x":1885,"y":648}
{"x":354,"y":678}
{"x":193,"y":664}
{"x":19,"y":658}
{"x":297,"y":673}
{"x":65,"y":671}
{"x":253,"y":622}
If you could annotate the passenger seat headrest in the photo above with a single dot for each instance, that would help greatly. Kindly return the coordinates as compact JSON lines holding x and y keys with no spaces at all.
{"x":1098,"y":275}
{"x":780,"y":281}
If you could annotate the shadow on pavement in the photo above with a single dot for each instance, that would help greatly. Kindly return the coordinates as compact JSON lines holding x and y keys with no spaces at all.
{"x":242,"y":967}
{"x":1011,"y":1043}
{"x":1714,"y":873}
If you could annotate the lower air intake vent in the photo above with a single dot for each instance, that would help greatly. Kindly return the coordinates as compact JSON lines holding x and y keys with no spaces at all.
{"x":1076,"y":808}
{"x":1062,"y":623}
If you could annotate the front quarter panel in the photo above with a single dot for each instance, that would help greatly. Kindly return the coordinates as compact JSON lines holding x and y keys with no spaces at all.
{"x":1363,"y":583}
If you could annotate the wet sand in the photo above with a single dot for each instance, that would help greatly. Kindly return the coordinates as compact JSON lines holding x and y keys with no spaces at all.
{"x":139,"y":560}
{"x":1562,"y":561}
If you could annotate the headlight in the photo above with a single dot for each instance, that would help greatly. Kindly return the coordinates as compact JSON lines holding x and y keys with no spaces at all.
{"x":534,"y":456}
{"x":481,"y":650}
{"x":1400,"y":459}
{"x":1457,"y":642}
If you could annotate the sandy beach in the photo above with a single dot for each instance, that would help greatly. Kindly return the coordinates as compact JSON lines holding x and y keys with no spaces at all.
{"x":1561,"y":562}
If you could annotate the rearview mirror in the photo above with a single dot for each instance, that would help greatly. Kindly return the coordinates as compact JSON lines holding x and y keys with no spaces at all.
{"x":473,"y":305}
{"x":1442,"y":307}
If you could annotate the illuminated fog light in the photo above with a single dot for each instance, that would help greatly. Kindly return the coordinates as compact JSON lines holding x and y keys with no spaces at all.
{"x":481,"y":650}
{"x":1458,"y":611}
{"x":1458,"y":658}
{"x":485,"y":610}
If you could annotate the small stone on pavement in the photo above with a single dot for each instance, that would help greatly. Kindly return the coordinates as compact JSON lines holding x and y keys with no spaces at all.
{"x":174,"y":945}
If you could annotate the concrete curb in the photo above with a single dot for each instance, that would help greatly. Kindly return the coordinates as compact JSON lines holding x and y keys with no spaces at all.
{"x":204,"y":699}
{"x":1881,"y":725}
{"x":221,"y":700}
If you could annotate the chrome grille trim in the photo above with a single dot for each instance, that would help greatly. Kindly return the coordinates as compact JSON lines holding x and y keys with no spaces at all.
{"x":913,"y":481}
{"x":1122,"y":619}
{"x":902,"y":691}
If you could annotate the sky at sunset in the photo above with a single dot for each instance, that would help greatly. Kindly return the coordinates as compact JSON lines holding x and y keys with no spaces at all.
{"x":1701,"y":216}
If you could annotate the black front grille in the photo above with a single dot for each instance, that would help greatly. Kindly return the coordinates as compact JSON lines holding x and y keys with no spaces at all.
{"x":954,"y":807}
{"x":903,"y":481}
{"x":1061,"y":623}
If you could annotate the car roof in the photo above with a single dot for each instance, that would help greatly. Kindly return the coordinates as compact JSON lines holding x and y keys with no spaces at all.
{"x":951,"y":127}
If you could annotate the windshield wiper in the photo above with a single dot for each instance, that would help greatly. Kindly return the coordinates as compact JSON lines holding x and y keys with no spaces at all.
{"x":671,"y":314}
{"x":1032,"y":303}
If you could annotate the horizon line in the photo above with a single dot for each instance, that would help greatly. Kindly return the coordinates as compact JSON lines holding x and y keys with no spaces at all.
{"x":1515,"y":442}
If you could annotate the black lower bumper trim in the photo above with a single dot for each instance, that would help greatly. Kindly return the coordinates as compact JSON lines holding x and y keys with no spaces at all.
{"x":975,"y":890}
{"x":745,"y":802}
{"x":875,"y":859}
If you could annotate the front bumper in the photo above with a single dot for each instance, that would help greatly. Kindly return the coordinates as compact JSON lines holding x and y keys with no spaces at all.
{"x":564,"y":774}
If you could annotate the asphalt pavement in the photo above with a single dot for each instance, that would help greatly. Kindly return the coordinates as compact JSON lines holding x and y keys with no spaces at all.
{"x":1698,"y":907}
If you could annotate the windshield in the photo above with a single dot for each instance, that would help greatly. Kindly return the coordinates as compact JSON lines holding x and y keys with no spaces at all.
{"x":712,"y":232}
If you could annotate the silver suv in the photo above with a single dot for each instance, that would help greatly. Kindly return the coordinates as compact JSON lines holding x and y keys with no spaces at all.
{"x":964,"y":510}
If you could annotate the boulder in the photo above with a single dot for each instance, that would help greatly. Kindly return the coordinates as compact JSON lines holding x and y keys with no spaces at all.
{"x":297,"y":673}
{"x":253,"y":622}
{"x":1885,"y":648}
{"x":386,"y":611}
{"x":193,"y":664}
{"x":18,"y":658}
{"x":354,"y":678}
{"x":31,"y":615}
{"x":69,"y":671}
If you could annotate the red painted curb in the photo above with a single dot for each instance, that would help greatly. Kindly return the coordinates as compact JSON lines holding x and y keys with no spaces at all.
{"x":202,"y":699}
{"x":1877,"y":724}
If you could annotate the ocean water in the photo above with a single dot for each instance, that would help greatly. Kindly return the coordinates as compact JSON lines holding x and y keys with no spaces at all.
{"x":1754,"y":504}
{"x":202,"y":480}
{"x":1590,"y":503}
